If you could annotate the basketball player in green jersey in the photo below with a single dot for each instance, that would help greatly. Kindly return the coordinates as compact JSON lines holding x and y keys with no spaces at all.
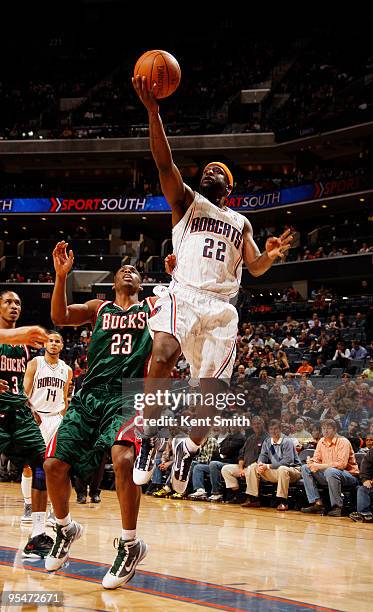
{"x":20,"y":437}
{"x":98,"y":418}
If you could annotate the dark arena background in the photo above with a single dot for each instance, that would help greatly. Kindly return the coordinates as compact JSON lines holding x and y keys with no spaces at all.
{"x":288,"y":107}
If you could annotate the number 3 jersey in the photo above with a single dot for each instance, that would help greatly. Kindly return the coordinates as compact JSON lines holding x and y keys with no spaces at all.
{"x":208,"y":242}
{"x":13,"y":363}
{"x":120,"y":345}
{"x":47,"y":394}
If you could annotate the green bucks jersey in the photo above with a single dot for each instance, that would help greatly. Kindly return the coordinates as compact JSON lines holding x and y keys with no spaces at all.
{"x":13,"y":362}
{"x":120,"y":345}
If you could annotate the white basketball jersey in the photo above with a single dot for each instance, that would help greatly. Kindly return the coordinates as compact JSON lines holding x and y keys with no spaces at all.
{"x":47,"y":395}
{"x":208,"y":243}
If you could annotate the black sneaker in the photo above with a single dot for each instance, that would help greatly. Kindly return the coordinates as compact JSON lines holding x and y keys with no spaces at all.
{"x":314,"y":509}
{"x":65,"y":536}
{"x":181,"y":465}
{"x":130,"y":553}
{"x":95,"y":499}
{"x":81,"y":499}
{"x":145,"y":460}
{"x":38,"y":547}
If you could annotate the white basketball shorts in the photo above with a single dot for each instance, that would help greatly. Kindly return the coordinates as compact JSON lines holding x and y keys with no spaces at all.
{"x":49,"y":425}
{"x":206,"y":328}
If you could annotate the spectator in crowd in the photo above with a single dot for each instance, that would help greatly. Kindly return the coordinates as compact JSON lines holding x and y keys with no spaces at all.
{"x":364,"y":505}
{"x":208,"y":452}
{"x":248,"y":455}
{"x":278,"y":462}
{"x":229,"y":447}
{"x":333,"y":464}
{"x":309,"y":411}
{"x":300,"y":432}
{"x":240,"y":376}
{"x":163,"y":464}
{"x":358,"y":351}
{"x":305,"y":368}
{"x":368,"y":372}
{"x":289,"y":341}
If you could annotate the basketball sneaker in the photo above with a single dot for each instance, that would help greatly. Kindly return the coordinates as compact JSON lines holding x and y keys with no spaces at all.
{"x":38,"y":547}
{"x":145,"y":460}
{"x":65,"y":536}
{"x":215,"y":497}
{"x":199,"y":494}
{"x":51,"y":519}
{"x":181,"y":466}
{"x":27,"y":514}
{"x":130,"y":553}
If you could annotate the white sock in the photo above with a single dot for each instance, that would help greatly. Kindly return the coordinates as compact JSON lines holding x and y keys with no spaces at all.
{"x":191,"y":446}
{"x":128,"y":534}
{"x":64,"y":521}
{"x":26,"y":483}
{"x":38,"y":523}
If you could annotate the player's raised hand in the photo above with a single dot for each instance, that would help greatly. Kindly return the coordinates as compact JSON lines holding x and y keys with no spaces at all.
{"x":4,"y":386}
{"x":33,"y":335}
{"x":62,"y":261}
{"x":170,"y":263}
{"x":147,"y":97}
{"x":278,"y":247}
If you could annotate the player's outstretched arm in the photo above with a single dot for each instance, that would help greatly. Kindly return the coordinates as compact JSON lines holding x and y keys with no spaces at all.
{"x":32,"y":335}
{"x":178,"y":195}
{"x":258,"y":263}
{"x":61,"y":313}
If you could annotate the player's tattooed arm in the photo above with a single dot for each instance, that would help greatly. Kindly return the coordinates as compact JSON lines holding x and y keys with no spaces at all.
{"x":178,"y":195}
{"x":61,"y":313}
{"x":258,"y":263}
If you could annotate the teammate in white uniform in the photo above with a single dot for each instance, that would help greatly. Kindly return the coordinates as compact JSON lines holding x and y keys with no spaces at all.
{"x":46,"y":383}
{"x":210,"y":242}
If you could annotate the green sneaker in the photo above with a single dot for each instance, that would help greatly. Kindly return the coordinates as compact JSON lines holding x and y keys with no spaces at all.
{"x":130,"y":553}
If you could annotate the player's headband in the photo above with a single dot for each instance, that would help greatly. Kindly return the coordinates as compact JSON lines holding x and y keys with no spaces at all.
{"x":228,"y":173}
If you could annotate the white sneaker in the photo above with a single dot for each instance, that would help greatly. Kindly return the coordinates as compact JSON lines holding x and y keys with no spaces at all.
{"x":65,"y":536}
{"x":215,"y":498}
{"x":123,"y":569}
{"x":51,"y":519}
{"x":145,"y":461}
{"x":199,"y":494}
{"x":27,"y":514}
{"x":181,"y":466}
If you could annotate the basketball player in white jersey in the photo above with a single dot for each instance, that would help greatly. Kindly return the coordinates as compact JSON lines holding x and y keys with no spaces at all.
{"x":46,"y":383}
{"x":210,"y":242}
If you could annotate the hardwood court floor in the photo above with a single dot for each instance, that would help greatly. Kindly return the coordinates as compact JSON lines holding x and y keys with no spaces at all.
{"x":201,"y":556}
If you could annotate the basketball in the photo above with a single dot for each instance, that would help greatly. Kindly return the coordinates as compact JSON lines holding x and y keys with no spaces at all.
{"x":159,"y":67}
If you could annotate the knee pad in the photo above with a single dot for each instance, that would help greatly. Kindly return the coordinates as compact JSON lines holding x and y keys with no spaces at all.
{"x":38,"y":479}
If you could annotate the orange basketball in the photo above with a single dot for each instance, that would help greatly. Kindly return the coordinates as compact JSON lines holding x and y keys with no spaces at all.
{"x":159,"y":67}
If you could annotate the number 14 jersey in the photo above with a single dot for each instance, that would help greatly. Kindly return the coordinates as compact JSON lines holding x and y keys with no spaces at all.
{"x":47,"y":394}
